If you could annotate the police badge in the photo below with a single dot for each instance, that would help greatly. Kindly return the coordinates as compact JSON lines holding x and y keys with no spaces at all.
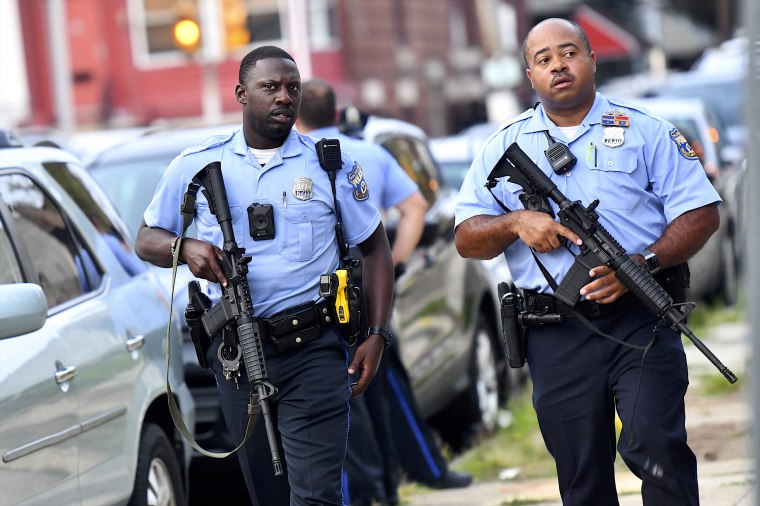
{"x":356,"y":178}
{"x":303,"y":188}
{"x":613,"y":137}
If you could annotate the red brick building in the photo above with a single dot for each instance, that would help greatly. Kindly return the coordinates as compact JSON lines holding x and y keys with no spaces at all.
{"x":419,"y":60}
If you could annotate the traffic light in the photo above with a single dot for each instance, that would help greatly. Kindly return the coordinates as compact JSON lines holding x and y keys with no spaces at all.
{"x":187,"y":34}
{"x":235,"y":19}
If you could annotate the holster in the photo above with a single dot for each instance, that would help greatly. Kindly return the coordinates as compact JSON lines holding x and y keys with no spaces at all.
{"x":198,"y":304}
{"x":513,"y":332}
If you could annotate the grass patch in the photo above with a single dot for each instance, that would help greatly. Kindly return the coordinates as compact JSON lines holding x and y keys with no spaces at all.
{"x":705,"y":316}
{"x":518,"y":446}
{"x":715,"y":384}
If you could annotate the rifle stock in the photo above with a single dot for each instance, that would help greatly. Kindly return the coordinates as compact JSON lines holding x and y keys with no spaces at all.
{"x":599,"y":248}
{"x":236,"y":307}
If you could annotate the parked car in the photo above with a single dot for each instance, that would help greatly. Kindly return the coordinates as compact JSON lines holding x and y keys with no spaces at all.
{"x":84,"y":417}
{"x":129,"y":172}
{"x":442,"y":301}
{"x":723,"y":92}
{"x":455,"y":153}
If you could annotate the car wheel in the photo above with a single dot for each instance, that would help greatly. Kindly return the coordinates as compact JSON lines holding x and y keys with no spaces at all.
{"x":158,"y":479}
{"x":484,"y":372}
{"x":477,"y":409}
{"x":730,"y":281}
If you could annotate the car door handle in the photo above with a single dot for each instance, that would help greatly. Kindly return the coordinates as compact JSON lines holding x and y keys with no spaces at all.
{"x":66,"y":374}
{"x":135,"y":343}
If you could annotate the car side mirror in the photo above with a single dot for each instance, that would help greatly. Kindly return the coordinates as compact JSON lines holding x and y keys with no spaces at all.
{"x":24,"y":309}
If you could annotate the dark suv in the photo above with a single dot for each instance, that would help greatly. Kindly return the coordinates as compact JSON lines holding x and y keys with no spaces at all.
{"x":446,"y":312}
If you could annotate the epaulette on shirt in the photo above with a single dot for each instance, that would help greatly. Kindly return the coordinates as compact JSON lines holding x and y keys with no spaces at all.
{"x":525,"y":115}
{"x":626,"y":104}
{"x":211,"y":142}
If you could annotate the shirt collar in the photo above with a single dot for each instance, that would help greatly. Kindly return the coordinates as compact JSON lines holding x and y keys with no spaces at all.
{"x":539,"y":121}
{"x":290,"y":148}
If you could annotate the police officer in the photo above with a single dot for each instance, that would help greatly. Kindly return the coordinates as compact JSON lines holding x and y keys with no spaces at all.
{"x":268,"y":163}
{"x":656,"y":200}
{"x":387,"y":412}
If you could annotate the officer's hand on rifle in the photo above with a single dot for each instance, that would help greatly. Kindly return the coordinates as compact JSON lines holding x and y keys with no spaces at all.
{"x":540,"y":231}
{"x":605,"y":288}
{"x":366,"y":361}
{"x":203,"y":260}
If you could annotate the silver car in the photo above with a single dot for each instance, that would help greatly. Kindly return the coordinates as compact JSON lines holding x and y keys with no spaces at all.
{"x":84,"y":417}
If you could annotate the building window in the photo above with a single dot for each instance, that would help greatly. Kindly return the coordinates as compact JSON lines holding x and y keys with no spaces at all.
{"x":246,"y":23}
{"x":264,"y":21}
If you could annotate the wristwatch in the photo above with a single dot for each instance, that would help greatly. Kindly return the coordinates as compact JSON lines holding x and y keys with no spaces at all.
{"x":653,"y":263}
{"x":379,"y":331}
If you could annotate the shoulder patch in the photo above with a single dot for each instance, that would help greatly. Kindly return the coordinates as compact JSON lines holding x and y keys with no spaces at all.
{"x":356,"y":178}
{"x":683,"y":145}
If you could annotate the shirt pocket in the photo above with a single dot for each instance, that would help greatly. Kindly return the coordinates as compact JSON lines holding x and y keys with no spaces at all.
{"x":304,"y":228}
{"x":613,"y":181}
{"x":207,"y":220}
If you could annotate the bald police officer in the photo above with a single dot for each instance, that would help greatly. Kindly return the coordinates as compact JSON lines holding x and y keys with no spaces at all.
{"x":656,"y":200}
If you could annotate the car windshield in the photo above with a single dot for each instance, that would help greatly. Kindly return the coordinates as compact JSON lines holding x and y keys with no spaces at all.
{"x":131,"y":195}
{"x":453,"y":172}
{"x":725,"y":99}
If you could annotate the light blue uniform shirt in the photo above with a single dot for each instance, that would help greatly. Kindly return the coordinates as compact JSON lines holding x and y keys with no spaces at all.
{"x":388,"y":184}
{"x":642,"y":185}
{"x":284,"y":271}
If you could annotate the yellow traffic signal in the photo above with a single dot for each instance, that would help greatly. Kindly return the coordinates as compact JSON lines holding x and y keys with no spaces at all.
{"x":187,"y":34}
{"x":235,"y":18}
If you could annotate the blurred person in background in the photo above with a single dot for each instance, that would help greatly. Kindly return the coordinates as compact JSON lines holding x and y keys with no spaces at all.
{"x":387,"y":433}
{"x":656,"y":200}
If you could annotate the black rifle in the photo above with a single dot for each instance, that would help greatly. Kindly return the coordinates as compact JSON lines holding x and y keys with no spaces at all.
{"x":599,"y":247}
{"x":233,"y":314}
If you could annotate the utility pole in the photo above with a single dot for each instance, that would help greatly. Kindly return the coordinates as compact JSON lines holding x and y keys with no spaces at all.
{"x":751,"y":16}
{"x":63,"y":101}
{"x":298,"y":36}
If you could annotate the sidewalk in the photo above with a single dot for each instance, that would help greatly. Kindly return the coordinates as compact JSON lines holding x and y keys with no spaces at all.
{"x":718,"y":432}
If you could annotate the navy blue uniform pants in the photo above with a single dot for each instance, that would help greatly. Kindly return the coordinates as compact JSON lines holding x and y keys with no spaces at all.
{"x":310,"y":413}
{"x":580,"y":378}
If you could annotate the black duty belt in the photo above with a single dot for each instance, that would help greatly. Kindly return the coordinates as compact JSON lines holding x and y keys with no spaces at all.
{"x":543,"y":303}
{"x":292,"y":327}
{"x":674,"y":281}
